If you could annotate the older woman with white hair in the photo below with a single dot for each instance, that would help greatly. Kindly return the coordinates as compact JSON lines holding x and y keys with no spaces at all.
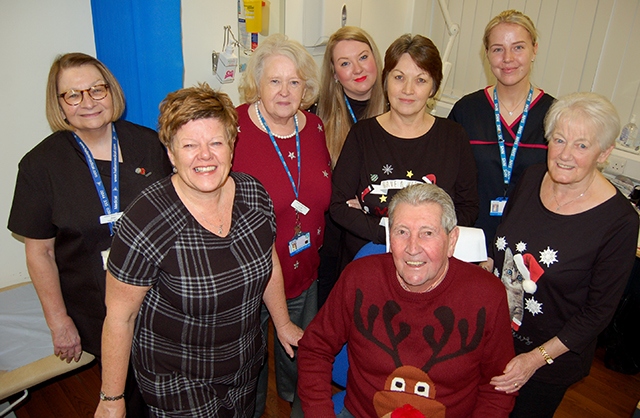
{"x":284,"y":147}
{"x":564,"y":252}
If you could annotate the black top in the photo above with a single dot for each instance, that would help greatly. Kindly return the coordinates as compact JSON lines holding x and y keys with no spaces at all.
{"x":203,"y":307}
{"x":374,"y":165}
{"x":476,"y":115}
{"x":55,"y":197}
{"x":580,"y":264}
{"x":358,"y":107}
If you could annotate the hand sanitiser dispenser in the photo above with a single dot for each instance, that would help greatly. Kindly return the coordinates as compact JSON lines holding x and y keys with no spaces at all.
{"x":227,"y":63}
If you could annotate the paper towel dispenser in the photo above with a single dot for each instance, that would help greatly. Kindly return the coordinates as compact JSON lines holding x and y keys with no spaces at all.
{"x":318,"y":19}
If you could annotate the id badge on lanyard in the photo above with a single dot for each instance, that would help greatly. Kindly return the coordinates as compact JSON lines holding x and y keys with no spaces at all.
{"x":111,"y":210}
{"x":301,"y":240}
{"x":497,"y":205}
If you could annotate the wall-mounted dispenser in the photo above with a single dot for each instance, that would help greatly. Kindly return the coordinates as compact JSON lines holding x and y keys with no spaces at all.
{"x":225,"y":62}
{"x":313,"y":21}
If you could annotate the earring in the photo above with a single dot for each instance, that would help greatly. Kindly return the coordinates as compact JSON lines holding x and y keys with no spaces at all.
{"x":175,"y":170}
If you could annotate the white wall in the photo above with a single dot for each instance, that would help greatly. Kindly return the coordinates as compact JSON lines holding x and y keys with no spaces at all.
{"x":202,"y":33}
{"x":33,"y":32}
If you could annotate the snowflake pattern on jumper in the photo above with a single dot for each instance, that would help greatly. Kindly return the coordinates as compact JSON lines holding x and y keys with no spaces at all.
{"x":501,"y":243}
{"x":533,"y":306}
{"x":548,"y":256}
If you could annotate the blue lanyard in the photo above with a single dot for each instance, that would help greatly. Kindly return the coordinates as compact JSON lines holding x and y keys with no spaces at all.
{"x":115,"y":175}
{"x":296,"y":189}
{"x":508,"y":169}
{"x":353,"y":116}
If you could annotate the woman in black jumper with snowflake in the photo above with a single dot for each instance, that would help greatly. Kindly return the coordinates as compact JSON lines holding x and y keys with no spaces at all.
{"x":400,"y":147}
{"x":564,"y":252}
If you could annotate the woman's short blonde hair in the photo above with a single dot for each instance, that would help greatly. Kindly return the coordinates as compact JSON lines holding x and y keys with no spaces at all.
{"x":279,"y":44}
{"x":510,"y":16}
{"x":193,"y":103}
{"x":55,"y":116}
{"x":593,"y":109}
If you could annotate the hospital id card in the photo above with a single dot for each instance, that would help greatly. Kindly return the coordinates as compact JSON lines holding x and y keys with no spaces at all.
{"x":497,"y":206}
{"x":299,"y":243}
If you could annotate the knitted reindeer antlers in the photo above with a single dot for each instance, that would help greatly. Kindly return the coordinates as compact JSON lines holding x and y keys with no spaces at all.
{"x":445,"y":316}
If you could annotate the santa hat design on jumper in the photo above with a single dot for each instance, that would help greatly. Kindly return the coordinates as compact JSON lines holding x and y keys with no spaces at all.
{"x":530,"y":270}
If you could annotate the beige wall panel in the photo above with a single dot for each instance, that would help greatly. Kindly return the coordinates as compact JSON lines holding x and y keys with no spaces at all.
{"x":595,"y":41}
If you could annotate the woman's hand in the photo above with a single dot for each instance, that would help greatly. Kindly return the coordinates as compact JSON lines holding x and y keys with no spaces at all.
{"x":518,"y":371}
{"x":66,"y":340}
{"x":487,"y":265}
{"x":43,"y":270}
{"x":289,"y":334}
{"x":274,"y":297}
{"x":111,"y":409}
{"x":354,"y":203}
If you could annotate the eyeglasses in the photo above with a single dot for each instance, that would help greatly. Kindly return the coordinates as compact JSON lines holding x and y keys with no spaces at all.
{"x":75,"y":97}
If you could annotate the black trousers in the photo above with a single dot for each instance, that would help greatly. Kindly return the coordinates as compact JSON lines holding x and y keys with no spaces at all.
{"x":538,"y":400}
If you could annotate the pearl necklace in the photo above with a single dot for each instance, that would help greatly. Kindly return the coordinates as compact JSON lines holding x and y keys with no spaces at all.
{"x":572,"y":200}
{"x":264,"y":128}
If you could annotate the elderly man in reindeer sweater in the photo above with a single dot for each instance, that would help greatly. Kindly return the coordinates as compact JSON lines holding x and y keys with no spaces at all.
{"x":425,"y":332}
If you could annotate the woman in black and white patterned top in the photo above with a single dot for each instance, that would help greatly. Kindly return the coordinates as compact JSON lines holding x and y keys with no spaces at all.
{"x":192,"y":260}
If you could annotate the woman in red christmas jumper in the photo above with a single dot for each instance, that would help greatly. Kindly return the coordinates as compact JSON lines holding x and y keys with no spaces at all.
{"x":284,"y":148}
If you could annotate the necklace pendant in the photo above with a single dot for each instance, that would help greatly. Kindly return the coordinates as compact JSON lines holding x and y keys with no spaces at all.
{"x":510,"y":113}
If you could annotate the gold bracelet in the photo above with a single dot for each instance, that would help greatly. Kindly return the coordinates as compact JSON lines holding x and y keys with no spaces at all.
{"x":546,"y":355}
{"x":104,"y":397}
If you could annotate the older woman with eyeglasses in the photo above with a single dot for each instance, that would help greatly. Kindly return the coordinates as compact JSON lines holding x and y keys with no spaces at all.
{"x":70,"y":190}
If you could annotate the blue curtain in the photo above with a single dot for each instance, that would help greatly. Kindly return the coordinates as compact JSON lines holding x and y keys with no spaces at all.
{"x":140,"y":41}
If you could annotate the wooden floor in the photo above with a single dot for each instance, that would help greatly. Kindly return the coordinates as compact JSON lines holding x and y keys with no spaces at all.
{"x":603,"y":394}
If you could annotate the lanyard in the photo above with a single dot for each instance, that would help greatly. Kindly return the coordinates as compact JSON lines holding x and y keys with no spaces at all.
{"x":353,"y":116}
{"x":508,"y":169}
{"x":296,"y":188}
{"x":95,"y":174}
